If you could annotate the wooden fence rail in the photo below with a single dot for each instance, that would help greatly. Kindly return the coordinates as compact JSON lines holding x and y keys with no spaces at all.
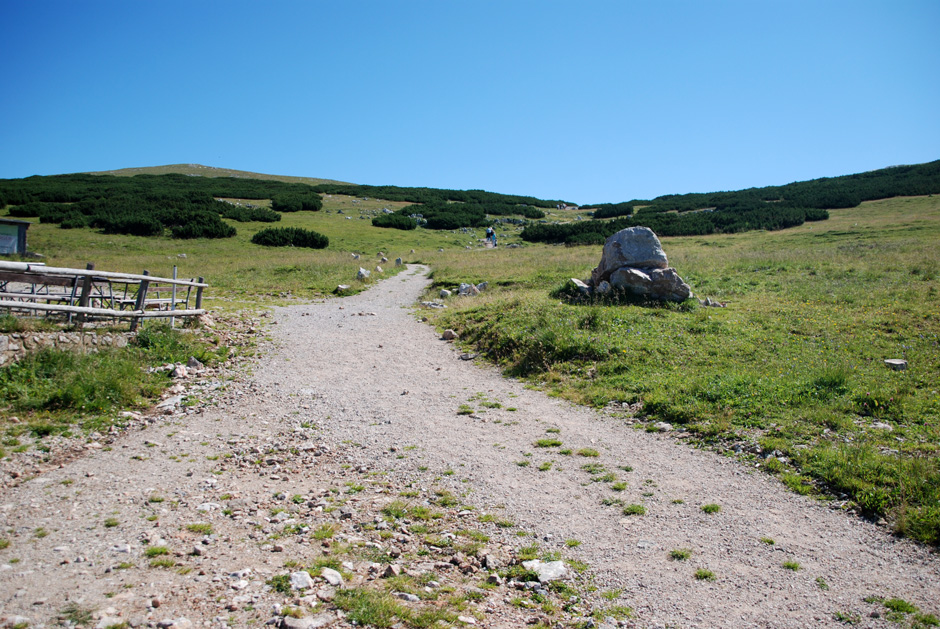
{"x":87,"y":293}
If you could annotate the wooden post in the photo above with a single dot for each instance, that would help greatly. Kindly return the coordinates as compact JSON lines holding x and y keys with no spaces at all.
{"x":141,"y":300}
{"x":199,"y":295}
{"x":173,"y":300}
{"x":86,"y":291}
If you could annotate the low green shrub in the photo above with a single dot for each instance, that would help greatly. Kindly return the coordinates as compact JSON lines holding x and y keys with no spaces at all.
{"x":290,"y":237}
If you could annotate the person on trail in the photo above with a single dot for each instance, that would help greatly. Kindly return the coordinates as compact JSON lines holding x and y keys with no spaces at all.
{"x":491,"y":235}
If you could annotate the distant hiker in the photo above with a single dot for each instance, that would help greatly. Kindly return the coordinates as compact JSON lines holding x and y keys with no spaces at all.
{"x":491,"y":235}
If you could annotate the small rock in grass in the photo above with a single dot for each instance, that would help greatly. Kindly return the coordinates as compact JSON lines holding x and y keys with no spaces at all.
{"x":332,"y":577}
{"x":301,"y":580}
{"x":546,"y":570}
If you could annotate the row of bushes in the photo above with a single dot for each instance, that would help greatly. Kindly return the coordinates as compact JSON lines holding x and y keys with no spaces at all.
{"x":452,"y":215}
{"x":148,"y":205}
{"x":688,"y":224}
{"x":827,"y":193}
{"x":185,"y":215}
{"x":433,"y":195}
{"x":78,"y":187}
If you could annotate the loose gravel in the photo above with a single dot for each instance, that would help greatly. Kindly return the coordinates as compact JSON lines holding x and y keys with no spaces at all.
{"x":353,"y":408}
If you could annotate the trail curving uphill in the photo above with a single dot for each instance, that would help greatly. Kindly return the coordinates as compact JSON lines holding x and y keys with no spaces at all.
{"x":357,"y":390}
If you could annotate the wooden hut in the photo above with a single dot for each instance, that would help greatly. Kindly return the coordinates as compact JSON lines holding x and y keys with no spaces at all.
{"x":13,"y":236}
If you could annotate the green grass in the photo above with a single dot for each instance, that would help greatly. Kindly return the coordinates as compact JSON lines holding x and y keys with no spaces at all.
{"x":375,"y":608}
{"x":791,"y":363}
{"x":680,"y":554}
{"x":156,"y":551}
{"x":162,"y":562}
{"x":711,"y":508}
{"x":547,"y":443}
{"x":51,"y":389}
{"x":240,"y":273}
{"x":634,"y":509}
{"x":704,"y":575}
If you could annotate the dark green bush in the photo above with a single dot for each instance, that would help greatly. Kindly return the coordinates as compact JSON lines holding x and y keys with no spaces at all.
{"x":297,"y":203}
{"x":249,"y":214}
{"x":395,"y":221}
{"x":290,"y":237}
{"x":204,"y":226}
{"x":134,"y":225}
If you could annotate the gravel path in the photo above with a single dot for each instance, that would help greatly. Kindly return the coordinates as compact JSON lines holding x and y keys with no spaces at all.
{"x":357,"y":393}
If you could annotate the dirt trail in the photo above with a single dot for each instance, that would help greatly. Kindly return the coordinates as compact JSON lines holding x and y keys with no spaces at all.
{"x":357,"y":393}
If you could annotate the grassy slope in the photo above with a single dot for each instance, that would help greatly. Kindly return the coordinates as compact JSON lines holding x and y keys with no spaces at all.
{"x":794,"y":364}
{"x":241,"y":273}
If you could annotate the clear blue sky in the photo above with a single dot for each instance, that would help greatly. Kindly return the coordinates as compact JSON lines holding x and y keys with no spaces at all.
{"x":590,"y":101}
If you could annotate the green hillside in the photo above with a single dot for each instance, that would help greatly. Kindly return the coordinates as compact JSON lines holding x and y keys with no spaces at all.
{"x":789,"y":376}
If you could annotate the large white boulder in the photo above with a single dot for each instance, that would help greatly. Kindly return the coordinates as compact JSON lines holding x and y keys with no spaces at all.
{"x":636,"y":247}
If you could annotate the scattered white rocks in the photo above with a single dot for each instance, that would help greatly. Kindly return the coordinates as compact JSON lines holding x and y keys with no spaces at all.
{"x":332,"y":577}
{"x":547,"y":571}
{"x":301,"y":580}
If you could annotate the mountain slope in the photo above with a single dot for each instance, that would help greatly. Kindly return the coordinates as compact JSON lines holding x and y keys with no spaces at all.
{"x":210,"y":171}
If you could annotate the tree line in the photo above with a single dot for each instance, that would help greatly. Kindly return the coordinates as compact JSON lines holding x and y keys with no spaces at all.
{"x":771,"y":207}
{"x":426,"y":196}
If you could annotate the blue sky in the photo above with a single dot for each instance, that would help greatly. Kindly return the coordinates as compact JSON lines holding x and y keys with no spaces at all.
{"x":590,"y":101}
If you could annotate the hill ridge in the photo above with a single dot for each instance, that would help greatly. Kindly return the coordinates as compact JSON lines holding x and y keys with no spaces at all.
{"x":210,"y":171}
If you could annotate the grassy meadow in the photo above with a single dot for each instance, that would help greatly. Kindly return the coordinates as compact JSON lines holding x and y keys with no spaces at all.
{"x":790,"y":374}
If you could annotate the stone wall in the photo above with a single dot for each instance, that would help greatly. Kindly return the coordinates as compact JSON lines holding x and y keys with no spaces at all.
{"x":14,"y":346}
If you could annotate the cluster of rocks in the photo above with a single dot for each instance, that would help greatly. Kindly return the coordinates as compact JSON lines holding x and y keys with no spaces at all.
{"x":465,"y":290}
{"x":305,"y":519}
{"x":633,"y":261}
{"x":364,"y":274}
{"x":373,"y":541}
